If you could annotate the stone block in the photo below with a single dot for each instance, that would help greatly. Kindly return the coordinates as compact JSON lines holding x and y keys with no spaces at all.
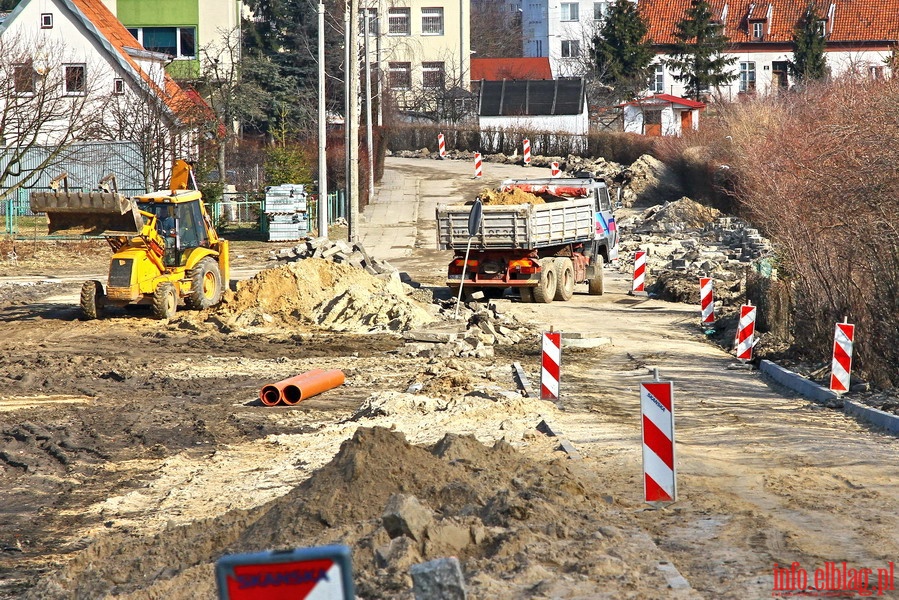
{"x":439,"y":579}
{"x":405,"y":515}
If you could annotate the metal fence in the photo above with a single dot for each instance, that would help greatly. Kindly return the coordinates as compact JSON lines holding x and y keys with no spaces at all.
{"x":242,"y":212}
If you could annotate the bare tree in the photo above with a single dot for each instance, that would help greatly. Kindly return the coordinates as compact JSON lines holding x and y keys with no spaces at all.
{"x":47,"y":103}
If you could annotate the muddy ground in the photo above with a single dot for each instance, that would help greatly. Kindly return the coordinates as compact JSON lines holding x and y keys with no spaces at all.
{"x":134,"y":453}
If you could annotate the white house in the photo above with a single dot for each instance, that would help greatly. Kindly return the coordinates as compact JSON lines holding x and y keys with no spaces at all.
{"x":561,"y":31}
{"x":661,"y":114}
{"x":860,"y":36}
{"x":75,"y":58}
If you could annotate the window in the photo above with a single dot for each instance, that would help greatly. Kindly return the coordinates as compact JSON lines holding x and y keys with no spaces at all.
{"x":822,"y":28}
{"x":432,"y":21}
{"x":657,"y":85}
{"x":747,"y":76}
{"x":433,"y":75}
{"x":46,"y":20}
{"x":23,"y":78}
{"x":118,"y":86}
{"x":876,"y":72}
{"x":370,"y":16}
{"x":570,"y":49}
{"x":179,"y":42}
{"x":569,"y":11}
{"x":400,"y":75}
{"x":600,"y":10}
{"x":74,"y":82}
{"x":398,"y":21}
{"x":538,"y":48}
{"x":757,"y":30}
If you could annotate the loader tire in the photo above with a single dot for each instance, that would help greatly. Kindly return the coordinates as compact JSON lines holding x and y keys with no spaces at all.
{"x":205,"y":285}
{"x":595,"y":285}
{"x":165,"y":301}
{"x":565,"y":284}
{"x":546,"y":289}
{"x":93,"y":300}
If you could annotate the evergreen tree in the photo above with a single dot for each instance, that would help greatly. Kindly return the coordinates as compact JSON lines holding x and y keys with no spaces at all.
{"x":620,"y":52}
{"x":809,"y":62}
{"x":698,"y":58}
{"x":281,"y":60}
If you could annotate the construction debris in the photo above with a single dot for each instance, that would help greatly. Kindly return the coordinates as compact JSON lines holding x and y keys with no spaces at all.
{"x":336,"y":251}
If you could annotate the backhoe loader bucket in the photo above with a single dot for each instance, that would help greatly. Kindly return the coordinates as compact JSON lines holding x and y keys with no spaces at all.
{"x":87,"y":213}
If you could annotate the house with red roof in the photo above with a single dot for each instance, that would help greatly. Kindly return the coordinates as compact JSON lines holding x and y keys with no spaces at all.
{"x":860,"y":37}
{"x":80,"y":47}
{"x":497,"y":69}
{"x":661,"y":114}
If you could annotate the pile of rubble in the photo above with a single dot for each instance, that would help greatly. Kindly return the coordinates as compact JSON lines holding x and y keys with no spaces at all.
{"x":336,"y":251}
{"x":478,"y":327}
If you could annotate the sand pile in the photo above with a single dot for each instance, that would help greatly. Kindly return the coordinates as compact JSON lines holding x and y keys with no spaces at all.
{"x":322,"y":293}
{"x":510,"y":197}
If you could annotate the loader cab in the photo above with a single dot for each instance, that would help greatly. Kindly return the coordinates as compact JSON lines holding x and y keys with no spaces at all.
{"x":181,"y":225}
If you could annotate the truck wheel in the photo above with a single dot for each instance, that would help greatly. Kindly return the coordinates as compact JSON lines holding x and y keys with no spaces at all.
{"x":165,"y":301}
{"x":565,"y":285}
{"x":595,"y":285}
{"x":93,"y":300}
{"x":546,"y":289}
{"x":205,"y":285}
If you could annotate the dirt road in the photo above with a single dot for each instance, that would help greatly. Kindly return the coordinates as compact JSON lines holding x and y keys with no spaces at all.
{"x":133,"y":453}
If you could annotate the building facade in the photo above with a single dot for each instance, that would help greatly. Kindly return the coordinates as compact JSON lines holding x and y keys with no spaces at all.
{"x":861,"y":37}
{"x":179,"y":28}
{"x":419,"y":52}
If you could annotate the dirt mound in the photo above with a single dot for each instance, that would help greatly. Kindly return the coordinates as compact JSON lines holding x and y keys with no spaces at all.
{"x":510,"y":197}
{"x":509,"y":519}
{"x":318,"y":292}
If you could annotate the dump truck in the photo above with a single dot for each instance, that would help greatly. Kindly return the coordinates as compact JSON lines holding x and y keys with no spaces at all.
{"x":563,"y":236}
{"x":165,"y":249}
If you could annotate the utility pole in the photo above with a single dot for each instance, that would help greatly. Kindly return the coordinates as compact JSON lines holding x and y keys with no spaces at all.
{"x":352,"y":116}
{"x":368,"y":132}
{"x":322,"y":129}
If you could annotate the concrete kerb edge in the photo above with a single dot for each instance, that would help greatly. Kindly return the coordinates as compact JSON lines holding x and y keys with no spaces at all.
{"x":811,"y":390}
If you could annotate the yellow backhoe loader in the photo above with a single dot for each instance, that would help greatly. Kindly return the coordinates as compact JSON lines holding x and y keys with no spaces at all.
{"x":165,"y":249}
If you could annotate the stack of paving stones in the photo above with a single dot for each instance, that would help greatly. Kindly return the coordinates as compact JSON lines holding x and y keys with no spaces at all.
{"x":336,"y":251}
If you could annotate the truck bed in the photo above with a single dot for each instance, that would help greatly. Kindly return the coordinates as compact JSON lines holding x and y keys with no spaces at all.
{"x":520,"y":226}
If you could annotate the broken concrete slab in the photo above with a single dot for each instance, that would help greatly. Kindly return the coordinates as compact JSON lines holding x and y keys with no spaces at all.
{"x":405,"y":515}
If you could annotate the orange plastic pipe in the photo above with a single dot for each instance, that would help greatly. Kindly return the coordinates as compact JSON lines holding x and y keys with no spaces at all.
{"x":294,"y":392}
{"x":271,"y":394}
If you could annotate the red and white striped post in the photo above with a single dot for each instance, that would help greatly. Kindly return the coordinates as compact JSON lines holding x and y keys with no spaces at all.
{"x":659,"y":472}
{"x":746,"y":332}
{"x":639,"y":286}
{"x":843,"y":341}
{"x":554,"y":170}
{"x":478,"y":170}
{"x":527,"y":151}
{"x":706,"y":300}
{"x":441,"y":145}
{"x":552,"y":365}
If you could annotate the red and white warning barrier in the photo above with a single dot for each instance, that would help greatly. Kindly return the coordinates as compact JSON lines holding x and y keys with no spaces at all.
{"x":554,"y":170}
{"x":843,"y":340}
{"x":659,"y":474}
{"x":478,"y":167}
{"x":746,"y":332}
{"x":527,"y":151}
{"x":706,"y":300}
{"x":639,"y":271}
{"x":441,"y":145}
{"x":552,"y":366}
